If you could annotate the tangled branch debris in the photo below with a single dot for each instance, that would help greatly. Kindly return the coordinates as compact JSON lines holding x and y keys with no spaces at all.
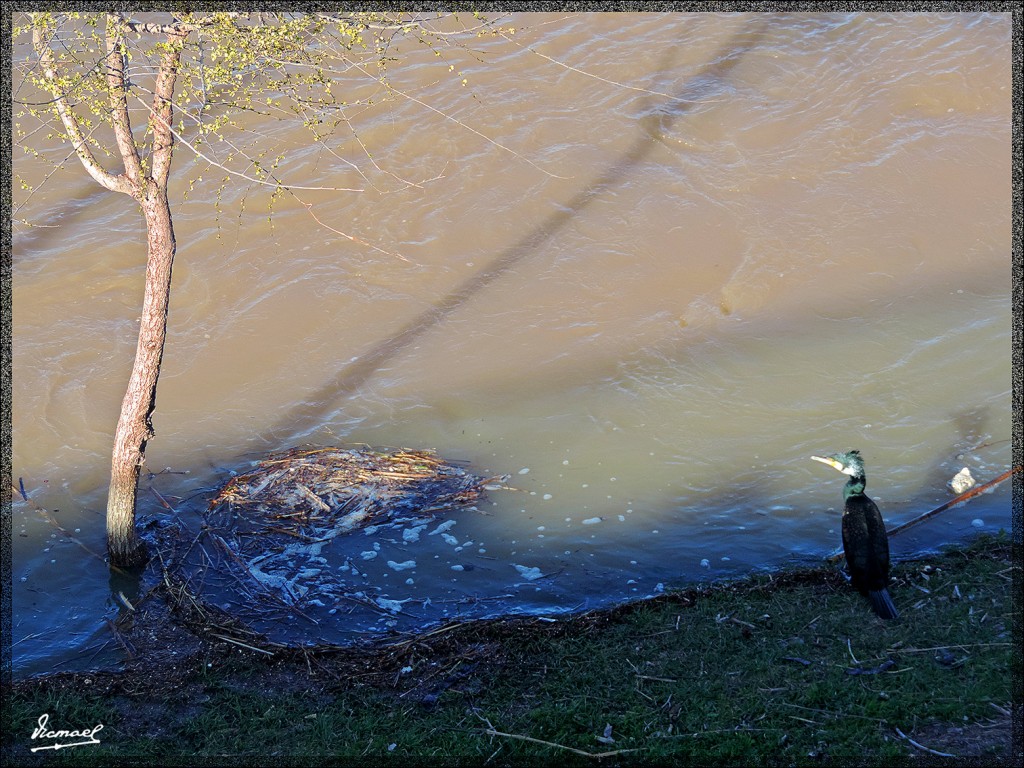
{"x":306,"y":493}
{"x":265,"y":531}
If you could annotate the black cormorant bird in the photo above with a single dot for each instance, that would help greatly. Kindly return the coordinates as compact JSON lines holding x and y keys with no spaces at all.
{"x":865,"y":541}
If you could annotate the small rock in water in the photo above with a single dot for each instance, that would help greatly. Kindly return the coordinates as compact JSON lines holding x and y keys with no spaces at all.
{"x":962,"y":481}
{"x":592,"y":520}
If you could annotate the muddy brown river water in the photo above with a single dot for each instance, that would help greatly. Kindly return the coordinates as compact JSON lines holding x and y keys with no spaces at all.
{"x":649,"y":265}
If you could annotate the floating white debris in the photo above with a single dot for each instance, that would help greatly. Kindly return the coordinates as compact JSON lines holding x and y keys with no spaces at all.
{"x":412,"y":534}
{"x":528,"y":573}
{"x":705,"y":563}
{"x":447,"y":525}
{"x":659,"y":587}
{"x":368,"y":554}
{"x":546,"y":496}
{"x":962,"y":481}
{"x":978,"y":522}
{"x":394,"y":606}
{"x":592,"y":520}
{"x":458,"y":568}
{"x":449,"y":539}
{"x":402,"y":566}
{"x":524,"y":471}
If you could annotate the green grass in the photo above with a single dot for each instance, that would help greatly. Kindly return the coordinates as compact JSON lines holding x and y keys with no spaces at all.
{"x":757,"y":672}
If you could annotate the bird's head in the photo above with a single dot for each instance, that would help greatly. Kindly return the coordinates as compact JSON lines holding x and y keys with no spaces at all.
{"x":849,"y":463}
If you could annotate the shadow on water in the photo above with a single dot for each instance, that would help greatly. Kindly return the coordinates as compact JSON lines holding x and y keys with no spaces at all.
{"x":658,"y":118}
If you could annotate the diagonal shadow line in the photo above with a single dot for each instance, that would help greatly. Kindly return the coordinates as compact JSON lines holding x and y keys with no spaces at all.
{"x":351,"y":378}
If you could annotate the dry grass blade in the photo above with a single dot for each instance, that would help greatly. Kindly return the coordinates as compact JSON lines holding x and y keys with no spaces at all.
{"x":597,"y":755}
{"x":244,"y":645}
{"x":922,"y":747}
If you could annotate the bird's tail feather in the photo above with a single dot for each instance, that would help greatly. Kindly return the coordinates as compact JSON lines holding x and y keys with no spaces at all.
{"x":883,"y":605}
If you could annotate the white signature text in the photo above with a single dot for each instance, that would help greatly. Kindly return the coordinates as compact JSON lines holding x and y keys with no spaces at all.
{"x":84,"y":735}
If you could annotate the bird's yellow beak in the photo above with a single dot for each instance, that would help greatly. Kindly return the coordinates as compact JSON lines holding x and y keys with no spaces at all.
{"x":830,"y":461}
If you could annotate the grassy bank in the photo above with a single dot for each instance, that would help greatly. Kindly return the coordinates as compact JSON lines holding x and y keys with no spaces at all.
{"x":790,"y":668}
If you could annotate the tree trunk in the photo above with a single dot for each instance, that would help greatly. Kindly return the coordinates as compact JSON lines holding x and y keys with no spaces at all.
{"x":134,"y":427}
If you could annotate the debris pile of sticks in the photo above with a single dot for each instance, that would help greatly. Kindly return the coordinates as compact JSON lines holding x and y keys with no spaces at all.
{"x":309,"y":492}
{"x":259,"y":557}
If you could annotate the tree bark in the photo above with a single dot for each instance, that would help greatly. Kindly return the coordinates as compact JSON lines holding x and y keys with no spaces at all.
{"x":134,"y":427}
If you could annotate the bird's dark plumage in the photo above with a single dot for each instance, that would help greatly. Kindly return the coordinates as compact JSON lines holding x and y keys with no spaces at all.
{"x":865,"y":541}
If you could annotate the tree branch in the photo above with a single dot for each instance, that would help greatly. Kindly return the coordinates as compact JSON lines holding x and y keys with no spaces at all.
{"x":179,"y":27}
{"x":216,"y":164}
{"x":120,"y":120}
{"x":455,"y":120}
{"x":115,"y":183}
{"x":162,"y":111}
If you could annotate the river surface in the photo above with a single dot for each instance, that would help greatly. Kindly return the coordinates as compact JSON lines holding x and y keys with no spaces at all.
{"x":645,"y":264}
